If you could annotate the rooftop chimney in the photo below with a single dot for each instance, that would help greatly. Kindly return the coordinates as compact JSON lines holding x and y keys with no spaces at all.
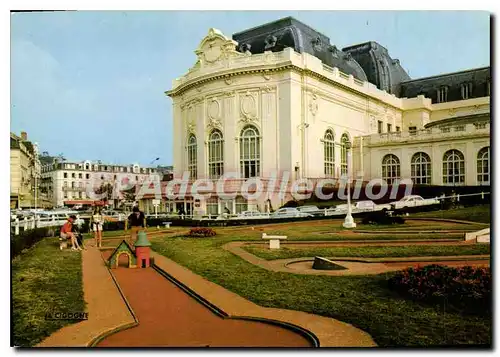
{"x":24,"y":136}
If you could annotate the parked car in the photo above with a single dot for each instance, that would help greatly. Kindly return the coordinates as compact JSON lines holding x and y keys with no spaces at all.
{"x":251,"y":215}
{"x":289,"y":212}
{"x":308,"y":209}
{"x":413,"y":201}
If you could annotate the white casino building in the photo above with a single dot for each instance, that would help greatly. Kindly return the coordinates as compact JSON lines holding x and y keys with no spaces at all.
{"x":281,"y":98}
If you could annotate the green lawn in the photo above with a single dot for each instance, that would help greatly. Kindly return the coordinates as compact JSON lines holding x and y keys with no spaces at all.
{"x":44,"y":279}
{"x":474,"y":214}
{"x":369,"y":252}
{"x":363,"y":301}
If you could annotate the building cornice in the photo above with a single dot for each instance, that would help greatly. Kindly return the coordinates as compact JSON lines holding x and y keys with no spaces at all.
{"x":193,"y":83}
{"x":426,"y":140}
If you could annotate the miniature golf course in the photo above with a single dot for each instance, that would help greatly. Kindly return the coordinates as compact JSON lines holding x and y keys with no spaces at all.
{"x":170,"y":316}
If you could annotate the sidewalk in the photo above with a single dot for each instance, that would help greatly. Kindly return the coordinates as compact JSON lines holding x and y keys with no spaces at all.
{"x":105,"y":306}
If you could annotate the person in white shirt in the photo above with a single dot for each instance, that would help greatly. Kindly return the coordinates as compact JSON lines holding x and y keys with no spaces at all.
{"x":97,"y":223}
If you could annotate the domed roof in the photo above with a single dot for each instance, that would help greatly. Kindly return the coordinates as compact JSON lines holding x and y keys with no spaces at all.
{"x":289,"y":32}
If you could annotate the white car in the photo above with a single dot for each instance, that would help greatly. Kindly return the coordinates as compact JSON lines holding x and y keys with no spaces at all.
{"x":413,"y":201}
{"x":251,"y":215}
{"x":308,"y":209}
{"x":289,"y":212}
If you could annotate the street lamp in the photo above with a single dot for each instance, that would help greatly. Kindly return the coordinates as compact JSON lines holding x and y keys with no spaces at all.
{"x":155,"y":202}
{"x":349,"y":221}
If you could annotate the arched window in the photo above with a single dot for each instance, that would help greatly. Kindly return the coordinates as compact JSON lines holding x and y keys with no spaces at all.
{"x":192,"y":157}
{"x":250,"y":152}
{"x":215,"y":155}
{"x":344,"y":143}
{"x":329,"y":153}
{"x":391,"y":168}
{"x":421,"y":168}
{"x":453,"y":167}
{"x":483,"y":166}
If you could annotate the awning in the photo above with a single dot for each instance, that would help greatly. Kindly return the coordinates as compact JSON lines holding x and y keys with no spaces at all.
{"x":84,"y":202}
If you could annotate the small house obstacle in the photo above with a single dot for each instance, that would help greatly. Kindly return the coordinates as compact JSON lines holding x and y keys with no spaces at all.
{"x":138,"y":257}
{"x":123,"y":248}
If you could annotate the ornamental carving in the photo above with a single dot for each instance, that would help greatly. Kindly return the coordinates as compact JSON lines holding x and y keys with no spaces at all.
{"x":191,"y":127}
{"x":270,"y":42}
{"x":313,"y":106}
{"x":213,"y":109}
{"x":267,"y":89}
{"x":334,"y":50}
{"x":373,"y":124}
{"x":248,"y":107}
{"x":266,"y":75}
{"x":347,"y":56}
{"x":317,"y":44}
{"x":215,"y":47}
{"x":228,"y":80}
{"x":214,"y":124}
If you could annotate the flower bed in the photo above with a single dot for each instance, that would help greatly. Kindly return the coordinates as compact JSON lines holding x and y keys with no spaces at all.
{"x":467,"y":289}
{"x":201,"y":232}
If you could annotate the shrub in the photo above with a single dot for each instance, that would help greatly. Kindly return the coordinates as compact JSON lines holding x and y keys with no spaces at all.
{"x":201,"y":232}
{"x":381,"y":217}
{"x":28,"y":238}
{"x":467,"y":289}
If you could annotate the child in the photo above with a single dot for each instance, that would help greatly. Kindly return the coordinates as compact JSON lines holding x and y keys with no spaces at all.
{"x":66,"y":233}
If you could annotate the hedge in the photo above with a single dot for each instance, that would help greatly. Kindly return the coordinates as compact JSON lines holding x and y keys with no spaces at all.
{"x":28,"y":238}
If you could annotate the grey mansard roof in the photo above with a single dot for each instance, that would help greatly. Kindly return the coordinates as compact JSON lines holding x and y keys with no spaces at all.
{"x":289,"y":32}
{"x":367,"y":61}
{"x":429,"y":86}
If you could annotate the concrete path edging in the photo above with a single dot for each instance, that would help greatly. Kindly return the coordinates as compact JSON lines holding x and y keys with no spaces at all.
{"x":354,"y":265}
{"x":107,"y":310}
{"x":330,"y":332}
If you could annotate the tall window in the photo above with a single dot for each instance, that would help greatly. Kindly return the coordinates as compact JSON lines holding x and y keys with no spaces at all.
{"x":466,"y":90}
{"x":344,"y":143}
{"x":453,"y":167}
{"x":241,"y":204}
{"x":412,"y":130}
{"x":250,"y":152}
{"x":379,"y":126}
{"x":483,"y":166}
{"x":421,"y":168}
{"x":212,"y":206}
{"x":329,"y":146}
{"x":215,"y":155}
{"x":442,"y":94}
{"x":192,"y":157}
{"x":391,"y":168}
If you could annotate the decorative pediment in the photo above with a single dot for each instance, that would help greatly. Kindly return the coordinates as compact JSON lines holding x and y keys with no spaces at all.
{"x":215,"y":47}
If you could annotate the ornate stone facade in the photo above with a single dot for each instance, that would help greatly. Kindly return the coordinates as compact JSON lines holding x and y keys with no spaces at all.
{"x":292,"y":98}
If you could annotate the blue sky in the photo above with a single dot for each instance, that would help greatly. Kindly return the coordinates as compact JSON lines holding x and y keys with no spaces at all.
{"x":91,"y":85}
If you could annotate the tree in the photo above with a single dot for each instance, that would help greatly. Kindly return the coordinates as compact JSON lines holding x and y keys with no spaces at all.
{"x":105,"y":189}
